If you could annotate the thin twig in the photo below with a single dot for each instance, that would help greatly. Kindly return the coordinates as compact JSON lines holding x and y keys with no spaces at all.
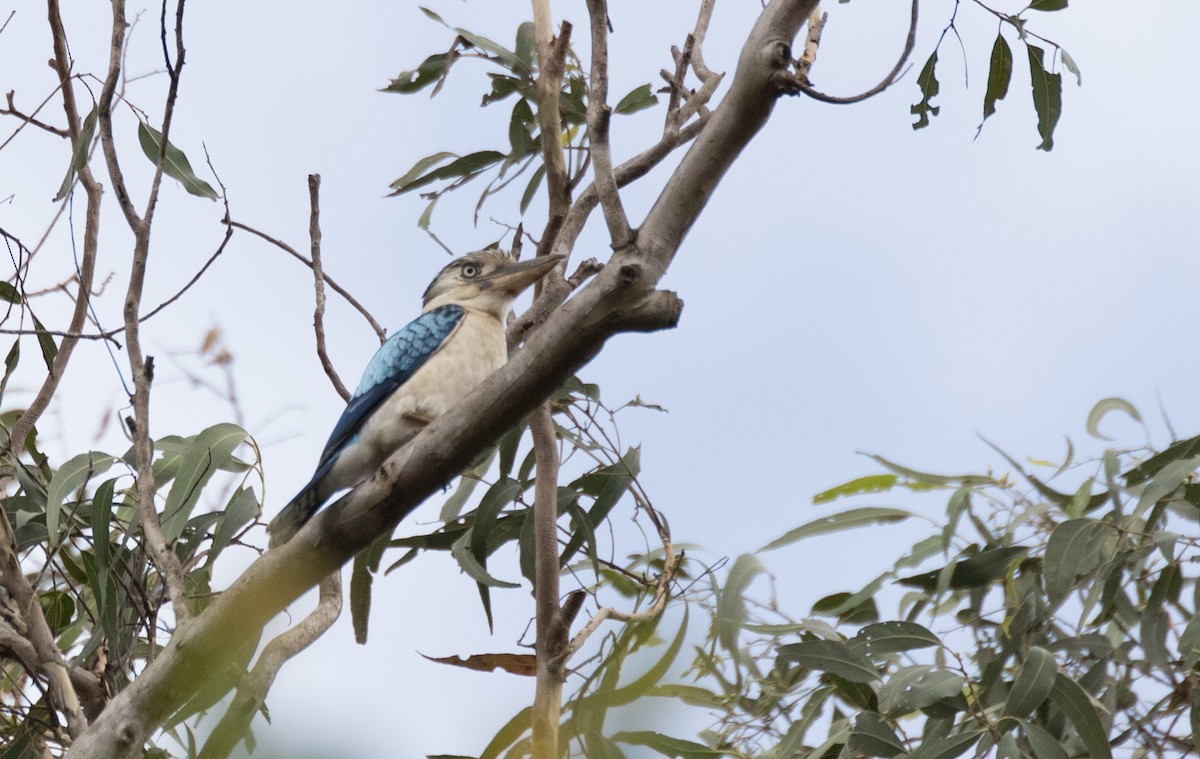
{"x":30,"y":119}
{"x":598,"y":115}
{"x":379,"y":330}
{"x":314,"y":233}
{"x":798,"y":83}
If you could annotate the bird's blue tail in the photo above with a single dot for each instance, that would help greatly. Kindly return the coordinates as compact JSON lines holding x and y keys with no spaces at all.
{"x":299,"y":510}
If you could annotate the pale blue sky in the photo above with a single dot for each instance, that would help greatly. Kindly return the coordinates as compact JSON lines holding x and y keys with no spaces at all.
{"x":852,"y":286}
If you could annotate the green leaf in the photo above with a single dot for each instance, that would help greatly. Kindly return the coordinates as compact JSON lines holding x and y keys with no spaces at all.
{"x":420,"y":167}
{"x":688,"y":694}
{"x":1189,"y":643}
{"x":524,"y":48}
{"x":1047,"y":5}
{"x":175,"y":163}
{"x":917,"y":687}
{"x":10,"y":364}
{"x":1045,"y":745}
{"x":1074,"y":702}
{"x":476,"y":571}
{"x":1074,"y":549}
{"x":872,"y":736}
{"x":875,"y":483}
{"x":1107,"y":405}
{"x":608,"y":484}
{"x":975,"y":571}
{"x":243,"y":506}
{"x":928,"y":83}
{"x":362,"y":577}
{"x":947,"y":747}
{"x":891,"y":637}
{"x":69,"y":478}
{"x":46,"y":343}
{"x":1047,"y":101}
{"x":499,"y":495}
{"x":531,"y":189}
{"x":520,"y":138}
{"x":639,"y":99}
{"x":999,"y":74}
{"x":1032,"y":685}
{"x":731,"y":605}
{"x":509,"y":734}
{"x":846,"y":520}
{"x":464,"y":167}
{"x":432,"y":69}
{"x":208,"y":452}
{"x":79,"y":154}
{"x":666,"y":745}
{"x":1181,"y":449}
{"x":830,"y":656}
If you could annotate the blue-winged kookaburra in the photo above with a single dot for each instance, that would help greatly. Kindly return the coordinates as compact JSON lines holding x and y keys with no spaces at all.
{"x":420,"y":372}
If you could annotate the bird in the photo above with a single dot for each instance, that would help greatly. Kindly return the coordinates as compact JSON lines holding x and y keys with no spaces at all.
{"x":419,"y":373}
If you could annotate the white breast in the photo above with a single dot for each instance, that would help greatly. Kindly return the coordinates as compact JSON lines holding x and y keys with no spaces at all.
{"x":475,"y":350}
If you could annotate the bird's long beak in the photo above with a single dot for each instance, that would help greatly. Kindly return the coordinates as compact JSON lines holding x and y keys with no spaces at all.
{"x":514,"y":278}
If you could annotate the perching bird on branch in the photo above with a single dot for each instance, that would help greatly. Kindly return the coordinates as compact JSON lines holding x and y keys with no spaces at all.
{"x":419,"y":373}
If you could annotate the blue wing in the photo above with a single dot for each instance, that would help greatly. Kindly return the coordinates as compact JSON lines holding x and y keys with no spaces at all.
{"x":397,"y":359}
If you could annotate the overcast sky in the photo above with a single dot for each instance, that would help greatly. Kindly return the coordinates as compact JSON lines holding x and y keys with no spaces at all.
{"x":853,"y":286}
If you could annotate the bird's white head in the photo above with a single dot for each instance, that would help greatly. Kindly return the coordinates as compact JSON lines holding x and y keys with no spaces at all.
{"x":487,"y":281}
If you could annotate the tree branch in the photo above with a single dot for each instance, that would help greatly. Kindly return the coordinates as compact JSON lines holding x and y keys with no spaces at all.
{"x":551,"y":631}
{"x":253,"y":688}
{"x":598,"y":116}
{"x":379,"y":330}
{"x":314,"y":234}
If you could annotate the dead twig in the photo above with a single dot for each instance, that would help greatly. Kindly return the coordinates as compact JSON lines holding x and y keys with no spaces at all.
{"x":314,"y":233}
{"x":598,"y":116}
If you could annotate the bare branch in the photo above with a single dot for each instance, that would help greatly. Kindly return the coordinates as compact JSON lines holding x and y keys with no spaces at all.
{"x":30,"y":119}
{"x":816,"y":25}
{"x":798,"y":82}
{"x":598,"y":116}
{"x":255,"y":684}
{"x":379,"y":330}
{"x":551,"y":56}
{"x":551,"y":632}
{"x":314,"y":233}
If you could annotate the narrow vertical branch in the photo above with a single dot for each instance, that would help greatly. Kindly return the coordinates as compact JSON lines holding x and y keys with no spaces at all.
{"x":142,"y":368}
{"x":598,"y":116}
{"x":551,"y":631}
{"x":551,"y":54}
{"x":314,"y":234}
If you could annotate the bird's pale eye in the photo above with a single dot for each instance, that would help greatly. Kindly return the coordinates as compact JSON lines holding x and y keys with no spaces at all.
{"x":470,"y":270}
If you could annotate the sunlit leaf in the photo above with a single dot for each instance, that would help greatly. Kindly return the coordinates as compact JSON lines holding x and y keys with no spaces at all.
{"x":875,"y":483}
{"x":1107,"y":405}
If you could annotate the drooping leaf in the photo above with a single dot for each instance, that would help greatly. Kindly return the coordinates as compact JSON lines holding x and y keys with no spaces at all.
{"x":731,"y":604}
{"x":1032,"y":685}
{"x":1070,"y":65}
{"x":1073,"y":550}
{"x":1047,"y":101}
{"x":46,"y":343}
{"x":1074,"y":702}
{"x":947,"y":747}
{"x":845,"y":520}
{"x":69,"y":478}
{"x":1107,"y":405}
{"x":79,"y":154}
{"x":1047,"y":5}
{"x":927,"y":81}
{"x":1045,"y":745}
{"x":999,"y":74}
{"x":243,"y":506}
{"x":209,"y":451}
{"x":462,"y":167}
{"x":175,"y":163}
{"x":362,"y":577}
{"x":432,"y":69}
